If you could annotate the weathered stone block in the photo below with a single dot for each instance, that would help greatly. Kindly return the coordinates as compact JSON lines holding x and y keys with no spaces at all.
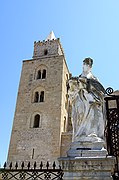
{"x":87,"y":168}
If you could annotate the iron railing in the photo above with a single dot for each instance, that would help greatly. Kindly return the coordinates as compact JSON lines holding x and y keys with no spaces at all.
{"x":22,"y":172}
{"x":112,"y":127}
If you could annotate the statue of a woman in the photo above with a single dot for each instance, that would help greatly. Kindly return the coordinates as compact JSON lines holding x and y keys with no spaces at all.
{"x":86,"y":98}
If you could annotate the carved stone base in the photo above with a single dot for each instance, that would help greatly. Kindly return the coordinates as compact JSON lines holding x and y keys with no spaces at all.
{"x":87,"y":149}
{"x":87,"y":168}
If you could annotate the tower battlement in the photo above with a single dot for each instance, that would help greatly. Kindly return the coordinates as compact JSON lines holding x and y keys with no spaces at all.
{"x":49,"y":47}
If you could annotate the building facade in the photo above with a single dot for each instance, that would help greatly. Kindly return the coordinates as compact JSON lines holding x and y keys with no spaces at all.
{"x":41,"y":127}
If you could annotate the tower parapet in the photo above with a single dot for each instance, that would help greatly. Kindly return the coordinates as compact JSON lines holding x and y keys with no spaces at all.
{"x":47,"y":48}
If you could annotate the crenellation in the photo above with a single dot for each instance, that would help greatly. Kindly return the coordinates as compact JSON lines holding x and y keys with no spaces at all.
{"x":53,"y":47}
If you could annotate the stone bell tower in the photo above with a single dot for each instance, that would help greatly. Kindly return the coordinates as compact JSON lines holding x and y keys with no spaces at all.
{"x":40,"y":117}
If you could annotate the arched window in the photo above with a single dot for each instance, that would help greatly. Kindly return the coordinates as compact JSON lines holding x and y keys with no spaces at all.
{"x":42,"y":96}
{"x":36,"y":97}
{"x":44,"y":74}
{"x":39,"y":74}
{"x":36,"y":121}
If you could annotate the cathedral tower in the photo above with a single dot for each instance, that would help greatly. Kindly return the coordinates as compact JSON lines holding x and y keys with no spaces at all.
{"x":41,"y":115}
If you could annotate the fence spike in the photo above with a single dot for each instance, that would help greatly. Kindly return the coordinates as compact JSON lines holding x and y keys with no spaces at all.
{"x":54,"y":165}
{"x":45,"y":172}
{"x":10,"y":166}
{"x":35,"y":165}
{"x":22,"y":165}
{"x":41,"y":165}
{"x":28,"y":165}
{"x":5,"y":165}
{"x":47,"y":165}
{"x":16,"y":165}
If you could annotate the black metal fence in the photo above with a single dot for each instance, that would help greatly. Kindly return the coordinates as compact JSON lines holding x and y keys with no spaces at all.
{"x":22,"y":172}
{"x":112,"y":128}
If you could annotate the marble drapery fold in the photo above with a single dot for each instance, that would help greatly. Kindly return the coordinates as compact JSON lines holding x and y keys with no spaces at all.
{"x":86,"y":96}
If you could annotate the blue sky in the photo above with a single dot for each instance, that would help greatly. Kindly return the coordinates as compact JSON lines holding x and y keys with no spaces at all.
{"x":86,"y":28}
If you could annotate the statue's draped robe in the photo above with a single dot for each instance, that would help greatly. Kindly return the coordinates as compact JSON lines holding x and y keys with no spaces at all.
{"x":86,"y":98}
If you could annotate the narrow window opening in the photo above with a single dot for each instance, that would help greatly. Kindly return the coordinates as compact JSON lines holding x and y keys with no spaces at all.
{"x":33,"y":153}
{"x":44,"y":74}
{"x":69,"y":123}
{"x":39,"y":74}
{"x":36,"y":98}
{"x":64,"y":123}
{"x":42,"y":96}
{"x":36,"y":121}
{"x":45,"y":52}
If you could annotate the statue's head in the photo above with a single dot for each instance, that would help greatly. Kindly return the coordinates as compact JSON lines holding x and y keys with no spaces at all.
{"x":88,"y":61}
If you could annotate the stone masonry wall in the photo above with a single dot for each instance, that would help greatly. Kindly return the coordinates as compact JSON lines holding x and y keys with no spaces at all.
{"x":43,"y":143}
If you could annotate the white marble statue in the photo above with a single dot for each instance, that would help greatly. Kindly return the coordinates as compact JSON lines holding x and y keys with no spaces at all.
{"x":86,"y":98}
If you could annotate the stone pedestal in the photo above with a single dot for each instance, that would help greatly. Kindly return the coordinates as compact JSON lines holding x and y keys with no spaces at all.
{"x":87,"y":168}
{"x":87,"y":149}
{"x":87,"y":160}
